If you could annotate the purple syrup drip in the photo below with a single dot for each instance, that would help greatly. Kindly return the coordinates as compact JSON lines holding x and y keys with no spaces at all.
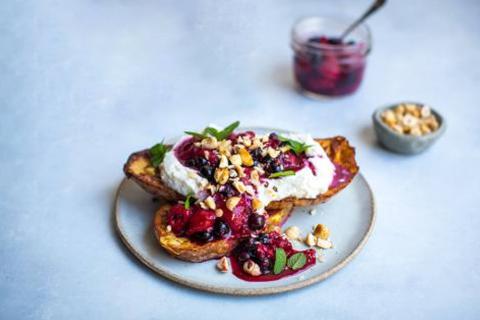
{"x":342,"y":175}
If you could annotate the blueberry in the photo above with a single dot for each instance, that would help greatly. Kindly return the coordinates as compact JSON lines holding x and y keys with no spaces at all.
{"x":196,"y":162}
{"x":248,"y":246}
{"x":256,"y":154}
{"x":207,"y":171}
{"x":243,"y":256}
{"x":263,"y":238}
{"x":273,"y":136}
{"x":227,"y":191}
{"x":273,"y":165}
{"x":256,"y":221}
{"x":264,"y":265}
{"x":203,"y":236}
{"x":221,"y":229}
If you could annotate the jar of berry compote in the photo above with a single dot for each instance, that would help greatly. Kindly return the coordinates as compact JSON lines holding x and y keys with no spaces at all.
{"x":323,"y":64}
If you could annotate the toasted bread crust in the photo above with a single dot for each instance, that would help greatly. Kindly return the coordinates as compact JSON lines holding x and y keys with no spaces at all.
{"x":184,"y":249}
{"x":134,"y":169}
{"x":337,"y":148}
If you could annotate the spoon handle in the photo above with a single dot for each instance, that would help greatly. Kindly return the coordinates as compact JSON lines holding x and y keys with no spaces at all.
{"x":374,"y":7}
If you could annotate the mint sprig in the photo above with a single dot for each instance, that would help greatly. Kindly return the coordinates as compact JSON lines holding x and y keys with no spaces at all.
{"x":296,"y":146}
{"x":188,"y":200}
{"x":280,"y":261}
{"x":282,"y":174}
{"x":297,"y":261}
{"x":157,"y":153}
{"x":218,"y":134}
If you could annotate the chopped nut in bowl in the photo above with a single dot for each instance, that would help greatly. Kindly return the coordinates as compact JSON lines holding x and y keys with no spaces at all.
{"x":408,"y":127}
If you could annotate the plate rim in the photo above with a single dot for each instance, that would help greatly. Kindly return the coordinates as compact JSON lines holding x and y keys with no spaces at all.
{"x":242,"y":291}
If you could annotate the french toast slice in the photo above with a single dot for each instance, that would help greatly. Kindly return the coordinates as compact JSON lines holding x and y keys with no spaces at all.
{"x":337,"y":148}
{"x":185,"y":249}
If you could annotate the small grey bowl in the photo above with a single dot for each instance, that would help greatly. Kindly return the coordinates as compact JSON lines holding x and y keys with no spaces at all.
{"x":402,"y":143}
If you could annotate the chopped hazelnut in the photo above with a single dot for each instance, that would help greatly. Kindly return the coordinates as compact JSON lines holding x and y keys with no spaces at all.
{"x":259,"y":170}
{"x":272,"y":152}
{"x":240,"y":171}
{"x":257,"y":143}
{"x":225,"y":147}
{"x":210,"y":143}
{"x":233,"y":173}
{"x":223,"y":161}
{"x":210,"y":203}
{"x":416,"y":131}
{"x":398,"y":128}
{"x":247,"y":159}
{"x":284,"y":149}
{"x":321,"y":231}
{"x":221,"y":175}
{"x":310,"y":240}
{"x":389,"y":117}
{"x":292,"y":233}
{"x":324,"y":244}
{"x":425,"y":111}
{"x":232,"y":202}
{"x":223,"y":265}
{"x":399,"y":110}
{"x":239,"y":186}
{"x":251,"y":268}
{"x":410,"y":121}
{"x":236,"y":160}
{"x":425,"y":128}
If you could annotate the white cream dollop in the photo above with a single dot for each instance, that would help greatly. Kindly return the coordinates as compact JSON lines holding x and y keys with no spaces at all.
{"x":304,"y":184}
{"x":179,"y":177}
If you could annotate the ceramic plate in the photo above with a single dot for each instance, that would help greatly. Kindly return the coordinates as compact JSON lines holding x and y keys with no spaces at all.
{"x":350,"y":215}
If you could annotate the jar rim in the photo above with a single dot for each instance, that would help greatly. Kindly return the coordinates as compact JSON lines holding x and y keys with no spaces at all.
{"x":363,"y":30}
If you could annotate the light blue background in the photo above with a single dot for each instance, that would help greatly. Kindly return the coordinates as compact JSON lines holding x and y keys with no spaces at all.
{"x":84,"y":83}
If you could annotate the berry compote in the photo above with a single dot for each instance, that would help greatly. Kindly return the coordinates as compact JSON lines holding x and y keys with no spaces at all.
{"x":261,"y":251}
{"x":324,"y":65}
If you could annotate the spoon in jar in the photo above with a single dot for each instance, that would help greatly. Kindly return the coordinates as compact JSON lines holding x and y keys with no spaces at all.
{"x":374,"y":7}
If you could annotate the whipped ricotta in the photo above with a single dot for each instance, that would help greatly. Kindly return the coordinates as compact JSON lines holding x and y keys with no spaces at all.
{"x":304,"y":184}
{"x":179,"y":177}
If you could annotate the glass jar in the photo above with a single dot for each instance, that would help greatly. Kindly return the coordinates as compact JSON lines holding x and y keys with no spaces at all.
{"x":324,"y":66}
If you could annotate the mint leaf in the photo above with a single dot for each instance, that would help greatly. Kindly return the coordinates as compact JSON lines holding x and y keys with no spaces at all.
{"x":280,"y":260}
{"x":157,"y":153}
{"x":222,"y":135}
{"x":297,"y":261}
{"x":282,"y":174}
{"x":296,"y":146}
{"x":188,"y":200}
{"x":219,"y":135}
{"x":196,"y":134}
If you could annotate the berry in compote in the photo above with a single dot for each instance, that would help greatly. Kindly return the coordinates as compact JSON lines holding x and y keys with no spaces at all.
{"x":329,"y":66}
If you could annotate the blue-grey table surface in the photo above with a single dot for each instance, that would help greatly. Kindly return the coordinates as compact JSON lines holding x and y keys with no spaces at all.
{"x":84,"y":83}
